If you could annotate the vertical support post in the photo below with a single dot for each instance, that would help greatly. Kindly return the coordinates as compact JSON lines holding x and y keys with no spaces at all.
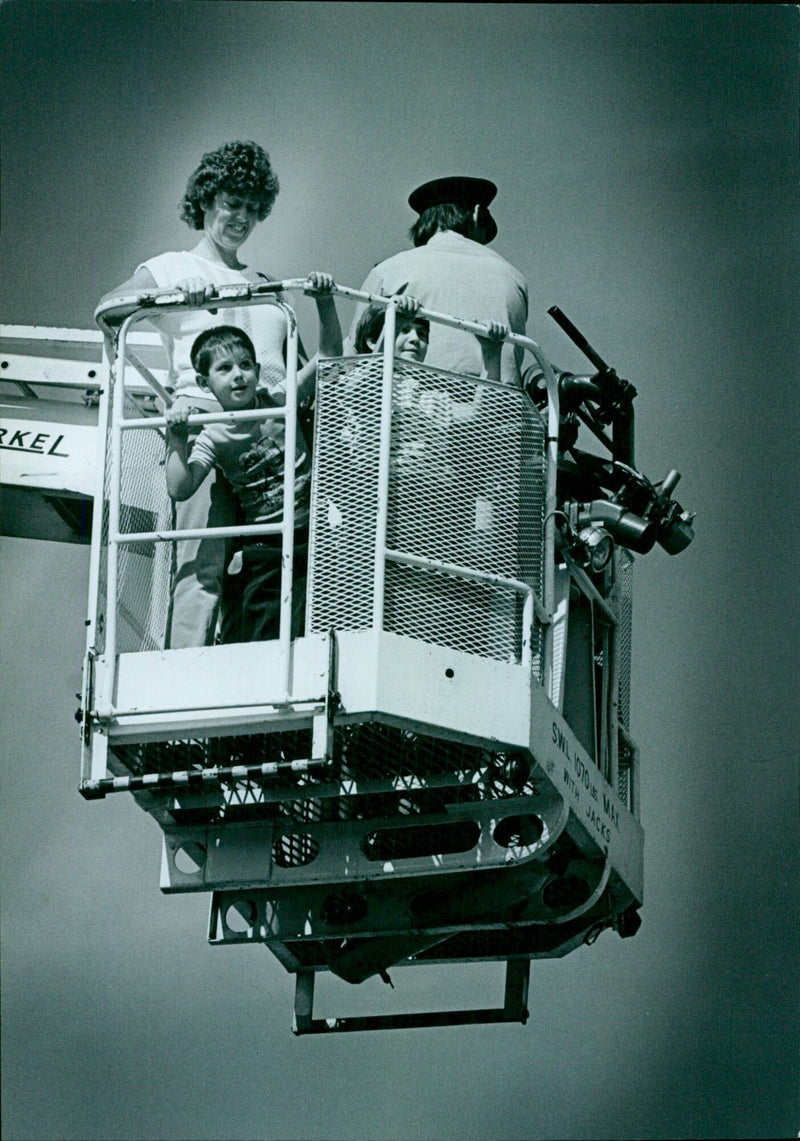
{"x":99,"y":492}
{"x":515,"y":1001}
{"x":287,"y":531}
{"x":95,"y":757}
{"x":91,"y":755}
{"x":323,"y":724}
{"x":612,"y":709}
{"x":634,"y":779}
{"x":550,"y":503}
{"x":604,"y":747}
{"x":379,"y":579}
{"x":320,"y":736}
{"x":303,"y":1002}
{"x":528,"y":618}
{"x":105,"y":703}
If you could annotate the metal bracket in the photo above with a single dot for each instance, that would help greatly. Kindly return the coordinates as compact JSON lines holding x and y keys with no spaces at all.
{"x":333,"y":699}
{"x":514,"y":1008}
{"x":88,"y":697}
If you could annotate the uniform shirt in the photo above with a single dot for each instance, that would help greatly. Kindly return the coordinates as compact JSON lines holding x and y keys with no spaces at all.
{"x":462,"y":278}
{"x":264,"y":324}
{"x":251,"y":456}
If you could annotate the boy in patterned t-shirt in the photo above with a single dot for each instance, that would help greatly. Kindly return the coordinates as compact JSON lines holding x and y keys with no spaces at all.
{"x":251,"y":455}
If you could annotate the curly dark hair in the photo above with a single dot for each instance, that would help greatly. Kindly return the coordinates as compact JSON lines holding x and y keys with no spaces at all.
{"x":239,"y":168}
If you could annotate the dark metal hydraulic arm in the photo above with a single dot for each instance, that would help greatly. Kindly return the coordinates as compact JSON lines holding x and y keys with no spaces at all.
{"x":638,"y":513}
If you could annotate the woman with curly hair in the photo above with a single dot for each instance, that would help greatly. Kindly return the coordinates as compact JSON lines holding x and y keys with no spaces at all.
{"x":232,"y":189}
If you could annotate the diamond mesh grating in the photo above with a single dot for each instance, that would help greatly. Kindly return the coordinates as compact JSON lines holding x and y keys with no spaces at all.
{"x":466,"y":487}
{"x":475,"y":618}
{"x":413,"y":760}
{"x":144,"y":568}
{"x":205,"y":752}
{"x":143,"y":572}
{"x":344,"y":496}
{"x":376,"y":750}
{"x":379,"y":771}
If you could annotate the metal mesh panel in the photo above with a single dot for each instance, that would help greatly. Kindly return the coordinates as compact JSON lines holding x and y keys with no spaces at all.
{"x":143,"y":579}
{"x":466,"y":487}
{"x":623,"y":785}
{"x":143,"y":571}
{"x":476,"y":618}
{"x":204,"y":752}
{"x":345,"y":495}
{"x":140,"y":501}
{"x":380,"y":771}
{"x":375,"y":750}
{"x":416,"y":763}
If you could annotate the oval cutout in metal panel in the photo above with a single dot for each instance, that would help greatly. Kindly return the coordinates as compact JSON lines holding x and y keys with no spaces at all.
{"x":294,"y":850}
{"x":420,"y":840}
{"x":518,"y":831}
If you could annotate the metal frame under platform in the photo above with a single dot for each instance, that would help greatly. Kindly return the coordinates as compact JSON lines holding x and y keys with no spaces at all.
{"x":514,"y":1009}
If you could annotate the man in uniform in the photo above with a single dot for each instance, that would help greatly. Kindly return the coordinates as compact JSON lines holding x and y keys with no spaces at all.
{"x":451,"y":270}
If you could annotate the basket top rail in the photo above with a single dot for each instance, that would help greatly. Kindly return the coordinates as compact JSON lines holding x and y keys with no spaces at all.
{"x":114,"y":310}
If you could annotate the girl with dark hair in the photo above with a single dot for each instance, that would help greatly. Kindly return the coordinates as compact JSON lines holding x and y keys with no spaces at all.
{"x":411,"y":332}
{"x":424,"y":407}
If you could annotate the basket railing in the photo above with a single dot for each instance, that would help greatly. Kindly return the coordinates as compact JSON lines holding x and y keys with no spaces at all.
{"x":117,"y":316}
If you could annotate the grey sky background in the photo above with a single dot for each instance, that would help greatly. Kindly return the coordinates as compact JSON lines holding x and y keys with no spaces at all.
{"x":647,"y":160}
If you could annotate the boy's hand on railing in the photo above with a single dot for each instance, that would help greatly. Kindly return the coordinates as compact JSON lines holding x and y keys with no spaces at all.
{"x":177,"y":417}
{"x":319,"y":284}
